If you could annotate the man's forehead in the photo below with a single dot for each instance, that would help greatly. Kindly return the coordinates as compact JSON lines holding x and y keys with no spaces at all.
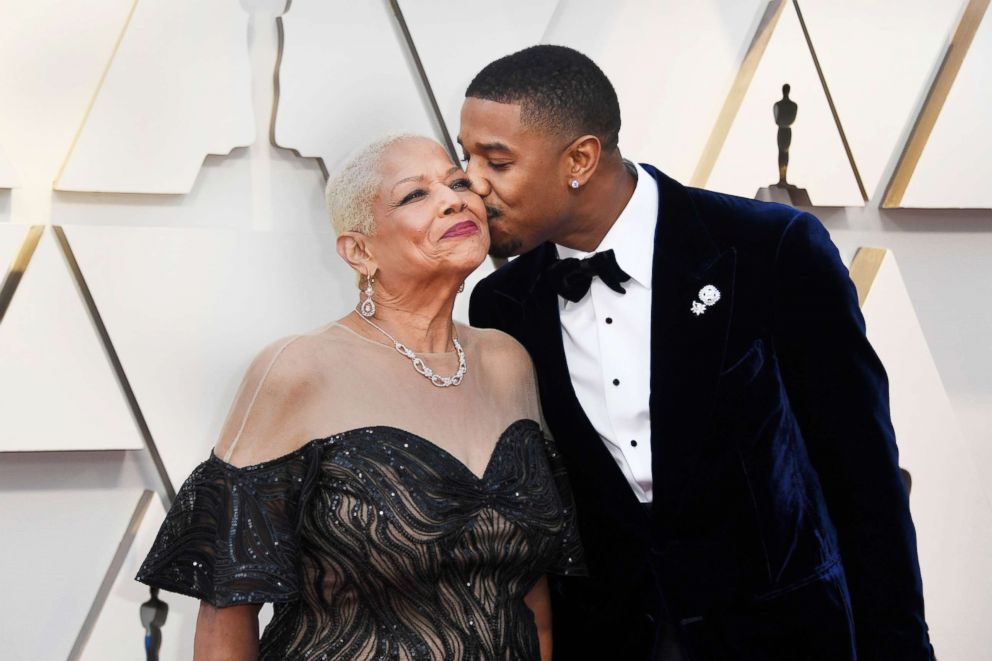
{"x":489,"y":125}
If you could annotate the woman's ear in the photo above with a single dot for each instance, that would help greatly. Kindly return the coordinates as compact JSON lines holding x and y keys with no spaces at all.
{"x":582,"y":158}
{"x":355,"y":249}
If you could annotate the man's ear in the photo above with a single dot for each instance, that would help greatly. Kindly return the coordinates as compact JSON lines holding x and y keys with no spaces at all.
{"x":582,"y":159}
{"x":355,"y":248}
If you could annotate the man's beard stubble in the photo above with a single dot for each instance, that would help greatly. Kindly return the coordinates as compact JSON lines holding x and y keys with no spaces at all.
{"x":500,"y":246}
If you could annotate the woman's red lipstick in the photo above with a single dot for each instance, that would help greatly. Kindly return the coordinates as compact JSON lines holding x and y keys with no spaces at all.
{"x":463,"y":228}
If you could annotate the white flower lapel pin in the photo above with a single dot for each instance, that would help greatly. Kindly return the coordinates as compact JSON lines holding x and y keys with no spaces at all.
{"x":708,"y":296}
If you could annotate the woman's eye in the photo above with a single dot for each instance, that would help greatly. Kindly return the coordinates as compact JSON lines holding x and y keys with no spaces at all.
{"x":461,"y":184}
{"x":412,"y":195}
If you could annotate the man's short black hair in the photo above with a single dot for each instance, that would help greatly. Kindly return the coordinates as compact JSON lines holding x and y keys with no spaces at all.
{"x":559,"y":90}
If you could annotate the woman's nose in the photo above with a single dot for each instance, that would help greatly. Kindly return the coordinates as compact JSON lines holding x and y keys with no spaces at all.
{"x":451,"y":202}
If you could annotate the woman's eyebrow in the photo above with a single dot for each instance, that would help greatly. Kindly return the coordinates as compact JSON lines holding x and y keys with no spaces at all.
{"x":419,"y":177}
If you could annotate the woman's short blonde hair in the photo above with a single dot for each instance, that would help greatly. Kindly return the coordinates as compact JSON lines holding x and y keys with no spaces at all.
{"x":352,"y":190}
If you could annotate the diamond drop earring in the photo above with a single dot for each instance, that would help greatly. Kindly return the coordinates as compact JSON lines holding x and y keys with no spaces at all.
{"x":367,"y":308}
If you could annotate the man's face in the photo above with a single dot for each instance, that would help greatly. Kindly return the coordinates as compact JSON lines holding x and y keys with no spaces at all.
{"x":519,"y":172}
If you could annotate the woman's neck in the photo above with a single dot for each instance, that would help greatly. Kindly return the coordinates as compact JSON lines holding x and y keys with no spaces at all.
{"x":421,"y":322}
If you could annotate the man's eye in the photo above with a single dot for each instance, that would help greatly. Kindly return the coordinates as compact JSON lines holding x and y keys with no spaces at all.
{"x":498,"y":166}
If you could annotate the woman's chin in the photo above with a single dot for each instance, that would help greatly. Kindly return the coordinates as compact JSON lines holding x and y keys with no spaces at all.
{"x":470,"y":261}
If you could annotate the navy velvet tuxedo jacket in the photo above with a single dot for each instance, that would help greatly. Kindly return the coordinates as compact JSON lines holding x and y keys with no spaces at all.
{"x":780,"y":527}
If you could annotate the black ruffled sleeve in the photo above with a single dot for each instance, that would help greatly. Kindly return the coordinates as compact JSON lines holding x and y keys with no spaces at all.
{"x":570,"y":560}
{"x":231,"y":536}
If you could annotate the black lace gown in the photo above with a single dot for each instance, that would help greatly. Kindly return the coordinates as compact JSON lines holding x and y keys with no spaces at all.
{"x":376,"y":544}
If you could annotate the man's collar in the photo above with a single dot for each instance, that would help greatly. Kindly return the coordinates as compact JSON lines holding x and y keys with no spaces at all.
{"x":632,"y":235}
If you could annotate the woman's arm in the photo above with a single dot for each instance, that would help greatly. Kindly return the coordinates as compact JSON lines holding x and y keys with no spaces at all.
{"x":539,"y":601}
{"x":227,"y":634}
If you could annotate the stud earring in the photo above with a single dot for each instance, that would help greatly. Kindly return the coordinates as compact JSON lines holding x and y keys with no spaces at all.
{"x":367,"y":308}
{"x":574,"y":183}
{"x":461,"y":287}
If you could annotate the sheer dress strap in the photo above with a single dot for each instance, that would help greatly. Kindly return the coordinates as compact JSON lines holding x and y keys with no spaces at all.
{"x":254,"y":396}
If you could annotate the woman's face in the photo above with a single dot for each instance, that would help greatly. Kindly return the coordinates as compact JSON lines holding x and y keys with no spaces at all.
{"x":428,"y":223}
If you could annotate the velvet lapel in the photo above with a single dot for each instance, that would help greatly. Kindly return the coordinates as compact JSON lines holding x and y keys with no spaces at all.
{"x":687,"y":350}
{"x":540,"y":332}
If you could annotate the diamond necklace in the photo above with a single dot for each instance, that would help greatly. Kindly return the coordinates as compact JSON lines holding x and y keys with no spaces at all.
{"x":418,"y":363}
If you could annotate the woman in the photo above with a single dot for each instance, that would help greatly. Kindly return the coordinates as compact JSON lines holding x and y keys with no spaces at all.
{"x":383,"y":479}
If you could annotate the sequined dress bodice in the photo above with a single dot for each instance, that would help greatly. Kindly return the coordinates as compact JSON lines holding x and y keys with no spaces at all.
{"x":375,"y":543}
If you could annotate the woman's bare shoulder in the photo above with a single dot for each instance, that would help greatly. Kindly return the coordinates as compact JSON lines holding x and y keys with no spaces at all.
{"x":508,"y":372}
{"x":495,"y":342}
{"x":283,"y":381}
{"x":501,"y":353}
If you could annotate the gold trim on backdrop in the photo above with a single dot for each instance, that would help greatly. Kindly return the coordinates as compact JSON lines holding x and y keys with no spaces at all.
{"x":96,"y":93}
{"x":18,"y":267}
{"x":830,"y":102}
{"x":864,"y":268}
{"x":115,"y":362}
{"x":941,"y":86}
{"x":116,"y":563}
{"x":738,"y":89}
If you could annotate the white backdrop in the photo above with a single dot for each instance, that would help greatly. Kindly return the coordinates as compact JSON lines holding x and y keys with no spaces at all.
{"x":182,"y":147}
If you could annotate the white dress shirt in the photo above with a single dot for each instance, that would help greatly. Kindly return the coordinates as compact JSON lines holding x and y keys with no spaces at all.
{"x":607,"y":338}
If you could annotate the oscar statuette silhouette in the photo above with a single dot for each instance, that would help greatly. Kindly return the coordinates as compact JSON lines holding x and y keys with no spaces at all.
{"x":153,"y":614}
{"x":784,"y":111}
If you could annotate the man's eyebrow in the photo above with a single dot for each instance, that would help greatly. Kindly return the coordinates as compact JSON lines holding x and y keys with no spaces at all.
{"x":491,"y":146}
{"x":485,"y":146}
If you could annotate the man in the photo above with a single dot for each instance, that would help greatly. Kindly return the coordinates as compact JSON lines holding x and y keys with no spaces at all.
{"x":703,"y":365}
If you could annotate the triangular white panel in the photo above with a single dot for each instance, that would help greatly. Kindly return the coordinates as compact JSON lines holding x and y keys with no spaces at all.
{"x":446,"y":34}
{"x":52,"y":54}
{"x":58,"y":390}
{"x":956,"y":165}
{"x":894,"y":44}
{"x":817,"y":162}
{"x":345,"y":80}
{"x":178,"y":88}
{"x":188,"y":309}
{"x":7,"y":176}
{"x":671,"y":62}
{"x":952,"y":515}
{"x":59,"y":543}
{"x":118,"y":634}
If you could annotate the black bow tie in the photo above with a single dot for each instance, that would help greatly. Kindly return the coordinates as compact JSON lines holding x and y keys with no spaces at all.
{"x":572,"y":277}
